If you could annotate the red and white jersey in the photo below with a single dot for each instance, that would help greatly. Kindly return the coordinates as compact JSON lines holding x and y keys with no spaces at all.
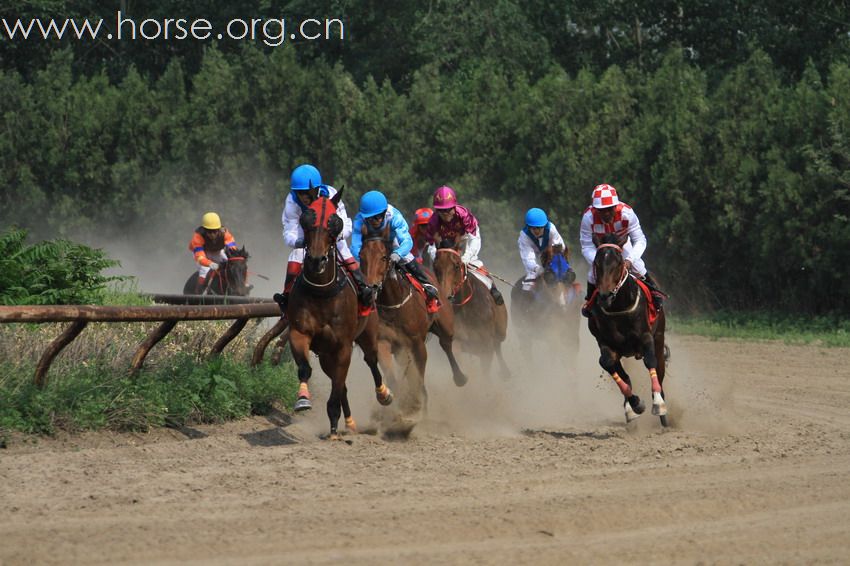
{"x":625,"y":222}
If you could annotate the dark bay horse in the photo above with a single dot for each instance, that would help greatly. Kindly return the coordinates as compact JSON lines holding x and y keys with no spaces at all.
{"x":323,"y":315}
{"x":230,"y":279}
{"x":620,"y":322}
{"x":404,"y":319}
{"x":554,"y":304}
{"x":480,"y":324}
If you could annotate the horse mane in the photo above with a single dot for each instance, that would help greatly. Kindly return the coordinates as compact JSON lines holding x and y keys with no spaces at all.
{"x":610,"y":238}
{"x":237,"y":252}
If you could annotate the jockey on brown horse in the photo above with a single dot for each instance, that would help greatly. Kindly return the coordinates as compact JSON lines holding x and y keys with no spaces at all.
{"x":456,"y":224}
{"x":323,"y":315}
{"x":306,"y":186}
{"x":607,"y":215}
{"x":213,"y":247}
{"x":376,"y":214}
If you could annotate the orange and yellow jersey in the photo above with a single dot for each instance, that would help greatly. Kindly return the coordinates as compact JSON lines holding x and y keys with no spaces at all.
{"x":205,"y":242}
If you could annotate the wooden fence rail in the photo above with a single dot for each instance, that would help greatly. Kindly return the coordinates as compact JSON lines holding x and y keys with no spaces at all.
{"x":81,"y":315}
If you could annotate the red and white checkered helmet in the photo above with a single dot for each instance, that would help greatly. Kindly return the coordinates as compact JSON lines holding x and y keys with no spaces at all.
{"x":605,"y":196}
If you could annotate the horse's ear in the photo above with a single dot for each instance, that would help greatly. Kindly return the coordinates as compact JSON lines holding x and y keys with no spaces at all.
{"x":385,"y":234}
{"x":623,"y":240}
{"x":596,"y":241}
{"x":558,"y":248}
{"x":364,"y":229}
{"x":338,"y":196}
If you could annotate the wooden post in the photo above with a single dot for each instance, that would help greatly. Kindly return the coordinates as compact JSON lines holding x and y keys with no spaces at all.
{"x":72,"y":331}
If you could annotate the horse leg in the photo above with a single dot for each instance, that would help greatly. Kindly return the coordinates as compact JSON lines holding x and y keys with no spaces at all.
{"x":659,"y":407}
{"x":387,"y":363}
{"x":368,"y":342}
{"x":506,"y":372}
{"x":610,"y":362}
{"x":336,"y":367}
{"x":299,"y":344}
{"x":447,"y":344}
{"x":417,"y":386}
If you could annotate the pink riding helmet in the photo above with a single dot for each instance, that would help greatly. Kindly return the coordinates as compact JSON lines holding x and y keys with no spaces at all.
{"x":444,"y":198}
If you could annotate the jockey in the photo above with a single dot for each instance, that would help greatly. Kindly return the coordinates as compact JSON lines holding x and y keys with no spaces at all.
{"x":306,"y":186}
{"x":537,"y":235}
{"x":417,"y":232}
{"x":456,"y":223}
{"x":208,"y":244}
{"x":376,"y":213}
{"x":608,"y":215}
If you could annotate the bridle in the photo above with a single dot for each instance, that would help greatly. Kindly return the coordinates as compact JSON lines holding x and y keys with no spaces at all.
{"x":463,"y":279}
{"x":623,"y":278}
{"x":386,"y":258}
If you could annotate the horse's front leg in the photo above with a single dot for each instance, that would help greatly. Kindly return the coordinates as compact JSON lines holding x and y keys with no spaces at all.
{"x":368,"y":342}
{"x":336,"y":366}
{"x":610,"y":362}
{"x":299,"y":343}
{"x":659,"y":407}
{"x":445,"y":333}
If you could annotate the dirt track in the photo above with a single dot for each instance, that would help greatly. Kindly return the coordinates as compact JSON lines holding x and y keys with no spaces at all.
{"x":538,"y":470}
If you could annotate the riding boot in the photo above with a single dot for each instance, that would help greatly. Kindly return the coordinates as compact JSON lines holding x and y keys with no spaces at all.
{"x":365,"y":293}
{"x":497,"y":296}
{"x":657,"y":294}
{"x":293,"y":269}
{"x":585,"y":308}
{"x":432,"y":296}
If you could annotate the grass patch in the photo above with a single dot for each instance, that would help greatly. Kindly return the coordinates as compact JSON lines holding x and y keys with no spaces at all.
{"x":832,"y":331}
{"x":89,"y":385}
{"x":182,"y":391}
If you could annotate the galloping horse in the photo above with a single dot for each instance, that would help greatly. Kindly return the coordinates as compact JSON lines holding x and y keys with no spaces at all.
{"x":404,"y":320}
{"x":624,"y":323}
{"x":480,"y":324}
{"x":323,"y":315}
{"x":231,"y":279}
{"x":553,"y":305}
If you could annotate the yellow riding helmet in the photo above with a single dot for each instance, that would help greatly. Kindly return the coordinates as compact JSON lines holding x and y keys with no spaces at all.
{"x":211,"y":221}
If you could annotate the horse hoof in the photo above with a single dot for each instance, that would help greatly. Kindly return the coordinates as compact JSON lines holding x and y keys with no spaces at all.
{"x":666,"y":353}
{"x":334,"y":435}
{"x":659,"y":407}
{"x":351,"y":425}
{"x":460,"y":379}
{"x":385,"y":397}
{"x":637,"y":405}
{"x":630,"y":414}
{"x":302,"y":404}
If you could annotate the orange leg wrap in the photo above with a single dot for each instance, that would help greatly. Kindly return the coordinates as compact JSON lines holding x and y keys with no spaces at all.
{"x":625,"y":388}
{"x":303,"y":391}
{"x":653,"y":376}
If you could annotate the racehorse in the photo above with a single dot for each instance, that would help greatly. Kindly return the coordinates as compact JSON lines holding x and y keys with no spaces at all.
{"x":480,"y":324}
{"x":404,"y":319}
{"x":553,"y":305}
{"x":230,"y":279}
{"x":323,"y":316}
{"x":624,"y":323}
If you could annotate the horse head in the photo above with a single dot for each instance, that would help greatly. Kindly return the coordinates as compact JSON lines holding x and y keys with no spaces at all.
{"x":236,"y":272}
{"x":609,"y":266}
{"x":375,"y":255}
{"x":321,"y":225}
{"x":449,"y":268}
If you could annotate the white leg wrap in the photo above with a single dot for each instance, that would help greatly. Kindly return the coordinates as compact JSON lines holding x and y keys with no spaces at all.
{"x":659,"y":407}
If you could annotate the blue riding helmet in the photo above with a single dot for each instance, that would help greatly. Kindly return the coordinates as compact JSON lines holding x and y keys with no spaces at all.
{"x":304,"y":177}
{"x":372,"y":204}
{"x":536,"y":218}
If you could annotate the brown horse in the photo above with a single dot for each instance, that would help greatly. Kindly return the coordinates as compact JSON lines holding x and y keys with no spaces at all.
{"x":231,"y":279}
{"x":323,"y":315}
{"x":620,"y":322}
{"x":404,"y":319}
{"x":480,"y":324}
{"x":553,"y":305}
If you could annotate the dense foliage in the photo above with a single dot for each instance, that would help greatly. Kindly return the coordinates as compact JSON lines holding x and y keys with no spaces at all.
{"x":51,"y":272}
{"x":725,"y":124}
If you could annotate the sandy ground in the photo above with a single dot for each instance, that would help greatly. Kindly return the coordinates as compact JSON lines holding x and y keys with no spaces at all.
{"x":540,"y":469}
